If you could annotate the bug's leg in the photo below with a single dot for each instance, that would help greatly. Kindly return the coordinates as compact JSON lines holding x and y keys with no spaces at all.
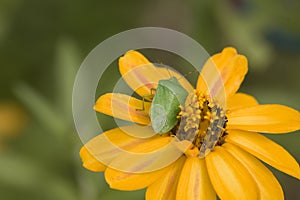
{"x":147,"y":97}
{"x":143,"y":105}
{"x":152,"y":91}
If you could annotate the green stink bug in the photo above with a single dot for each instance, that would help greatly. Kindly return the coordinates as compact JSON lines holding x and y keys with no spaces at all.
{"x":168,"y":97}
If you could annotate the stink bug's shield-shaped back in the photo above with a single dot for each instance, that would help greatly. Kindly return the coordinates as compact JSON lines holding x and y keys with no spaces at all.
{"x":168,"y":97}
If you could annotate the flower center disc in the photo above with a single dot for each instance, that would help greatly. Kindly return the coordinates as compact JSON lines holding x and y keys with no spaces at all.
{"x":202,"y":122}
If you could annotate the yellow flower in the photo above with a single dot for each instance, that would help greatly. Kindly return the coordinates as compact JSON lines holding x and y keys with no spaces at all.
{"x":13,"y":120}
{"x":231,"y":170}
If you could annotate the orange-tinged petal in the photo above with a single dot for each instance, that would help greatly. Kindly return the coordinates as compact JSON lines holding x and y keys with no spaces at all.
{"x":230,"y":179}
{"x":113,"y":143}
{"x":267,"y":183}
{"x":142,"y":76}
{"x":139,"y":73}
{"x":266,"y":150}
{"x":151,"y":144}
{"x":226,"y":69}
{"x":264,"y":118}
{"x":166,"y":186}
{"x":194,"y":181}
{"x":90,"y":162}
{"x":123,"y":139}
{"x":240,"y":100}
{"x":181,"y":79}
{"x":132,"y":181}
{"x":123,"y":107}
{"x":148,"y":156}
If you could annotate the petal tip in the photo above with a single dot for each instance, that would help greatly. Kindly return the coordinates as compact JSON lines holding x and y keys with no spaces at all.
{"x":297,"y":174}
{"x":101,"y":100}
{"x":229,"y":49}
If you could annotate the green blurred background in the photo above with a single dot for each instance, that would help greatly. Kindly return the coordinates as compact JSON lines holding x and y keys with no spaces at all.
{"x":43,"y":43}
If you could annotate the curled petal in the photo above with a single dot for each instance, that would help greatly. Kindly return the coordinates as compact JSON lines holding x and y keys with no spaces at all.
{"x":121,"y":180}
{"x":231,"y":180}
{"x":194,"y":182}
{"x":113,"y":143}
{"x":267,"y":183}
{"x":90,"y":162}
{"x":166,"y":186}
{"x":264,"y":118}
{"x":139,"y":73}
{"x":124,"y":107}
{"x":240,"y":100}
{"x":142,"y":76}
{"x":131,"y":181}
{"x":266,"y":150}
{"x":148,"y":156}
{"x":181,"y":79}
{"x":224,"y":71}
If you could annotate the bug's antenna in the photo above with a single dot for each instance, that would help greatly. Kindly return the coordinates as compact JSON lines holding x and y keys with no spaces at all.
{"x":187,"y":74}
{"x":160,"y":64}
{"x":169,"y":72}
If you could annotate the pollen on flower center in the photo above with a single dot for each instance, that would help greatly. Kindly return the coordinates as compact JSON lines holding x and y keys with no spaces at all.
{"x":202,"y":122}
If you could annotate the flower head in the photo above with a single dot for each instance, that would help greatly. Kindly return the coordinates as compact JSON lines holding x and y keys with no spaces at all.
{"x":13,"y":120}
{"x":216,"y":135}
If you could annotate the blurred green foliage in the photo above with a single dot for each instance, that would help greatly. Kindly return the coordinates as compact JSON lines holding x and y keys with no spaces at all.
{"x":42,"y":44}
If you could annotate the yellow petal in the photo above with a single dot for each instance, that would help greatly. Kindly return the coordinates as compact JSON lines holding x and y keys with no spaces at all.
{"x":268,"y":185}
{"x":230,"y":179}
{"x":266,"y":150}
{"x":113,"y":143}
{"x":89,"y":162}
{"x":130,"y":181}
{"x":181,"y":79}
{"x":139,"y":73}
{"x":194,"y":182}
{"x":265,"y":118}
{"x":121,"y":138}
{"x":148,"y":156}
{"x":224,"y":70}
{"x":240,"y":100}
{"x":123,"y":107}
{"x":166,"y":186}
{"x":13,"y":119}
{"x":142,"y":76}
